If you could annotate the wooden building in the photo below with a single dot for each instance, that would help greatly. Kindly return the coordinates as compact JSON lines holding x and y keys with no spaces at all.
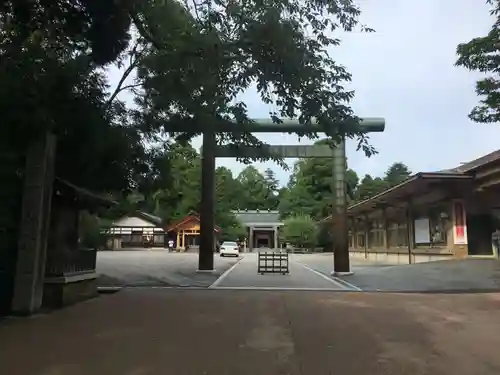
{"x":137,"y":230}
{"x":69,"y":269}
{"x":263,"y":228}
{"x":186,"y":233}
{"x":431,"y":216}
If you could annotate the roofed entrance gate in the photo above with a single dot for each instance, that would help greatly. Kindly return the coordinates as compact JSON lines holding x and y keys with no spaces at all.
{"x":262,"y":227}
{"x":210,"y":151}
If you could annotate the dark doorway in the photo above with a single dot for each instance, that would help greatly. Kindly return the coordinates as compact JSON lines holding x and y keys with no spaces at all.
{"x":479,"y":231}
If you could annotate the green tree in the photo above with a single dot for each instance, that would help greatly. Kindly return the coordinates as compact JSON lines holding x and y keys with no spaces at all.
{"x":397,"y":173}
{"x":352,"y":182}
{"x":310,"y":187}
{"x":301,"y":232}
{"x":255,"y":189}
{"x":370,"y":187}
{"x":482,"y":54}
{"x":228,"y":190}
{"x":278,"y":47}
{"x":232,"y":229}
{"x":272,"y":200}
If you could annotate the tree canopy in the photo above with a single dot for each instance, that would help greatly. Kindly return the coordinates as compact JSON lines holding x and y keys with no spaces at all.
{"x":482,"y":54}
{"x":188,"y":62}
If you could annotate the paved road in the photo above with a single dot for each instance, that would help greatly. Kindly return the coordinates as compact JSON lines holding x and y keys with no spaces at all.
{"x":244,"y":275}
{"x":156,"y":268}
{"x":159,"y":268}
{"x":237,"y":332}
{"x":450,"y":275}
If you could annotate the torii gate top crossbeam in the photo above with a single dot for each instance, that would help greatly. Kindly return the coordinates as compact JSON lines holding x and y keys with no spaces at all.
{"x":366,"y":125}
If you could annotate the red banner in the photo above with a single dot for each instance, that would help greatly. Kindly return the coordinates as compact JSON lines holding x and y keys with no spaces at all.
{"x":459,"y":223}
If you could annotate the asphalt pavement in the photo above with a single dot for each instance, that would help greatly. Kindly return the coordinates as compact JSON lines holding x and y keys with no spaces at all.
{"x":461,"y":275}
{"x":244,"y":275}
{"x":143,"y":268}
{"x":307,"y":271}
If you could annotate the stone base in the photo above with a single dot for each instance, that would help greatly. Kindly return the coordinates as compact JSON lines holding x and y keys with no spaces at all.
{"x":60,"y":294}
{"x":333,"y":273}
{"x":206,"y":271}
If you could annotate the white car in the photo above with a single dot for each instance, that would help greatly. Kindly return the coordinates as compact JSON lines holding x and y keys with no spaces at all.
{"x":229,"y":248}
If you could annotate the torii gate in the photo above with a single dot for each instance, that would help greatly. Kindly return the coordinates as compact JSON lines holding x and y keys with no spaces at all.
{"x":210,"y":151}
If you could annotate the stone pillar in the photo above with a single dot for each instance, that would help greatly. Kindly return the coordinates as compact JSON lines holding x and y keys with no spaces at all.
{"x":207,"y":211}
{"x":276,"y":237}
{"x":35,"y":226}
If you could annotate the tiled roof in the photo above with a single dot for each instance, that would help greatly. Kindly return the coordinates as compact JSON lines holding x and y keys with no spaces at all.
{"x":479,"y":162}
{"x":258,"y":216}
{"x":151,"y":218}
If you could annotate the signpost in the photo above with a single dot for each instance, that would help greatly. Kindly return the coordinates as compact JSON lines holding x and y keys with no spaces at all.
{"x":210,"y":151}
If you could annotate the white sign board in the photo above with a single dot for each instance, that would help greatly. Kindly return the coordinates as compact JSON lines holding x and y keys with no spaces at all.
{"x":422,"y":233}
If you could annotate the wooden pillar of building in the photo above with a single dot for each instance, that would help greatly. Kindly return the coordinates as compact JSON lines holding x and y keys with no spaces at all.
{"x":354,"y":232}
{"x":385,"y":225}
{"x":275,"y":239}
{"x":366,"y":228}
{"x":250,"y":240}
{"x":35,"y":226}
{"x":410,"y":231}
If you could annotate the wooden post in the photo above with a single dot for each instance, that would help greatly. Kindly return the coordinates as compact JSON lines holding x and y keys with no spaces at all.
{"x":386,"y":228}
{"x":367,"y":234}
{"x":207,"y":211}
{"x":35,"y":226}
{"x":355,"y":233}
{"x":339,"y":215}
{"x":409,"y":231}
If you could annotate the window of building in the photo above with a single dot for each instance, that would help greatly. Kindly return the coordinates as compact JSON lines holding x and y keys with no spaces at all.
{"x":438,"y":219}
{"x":351,"y":240}
{"x":158,"y":238}
{"x":376,"y":234}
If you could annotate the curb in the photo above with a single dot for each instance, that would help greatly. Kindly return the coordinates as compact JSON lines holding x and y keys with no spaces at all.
{"x":436,"y":291}
{"x":348,"y":284}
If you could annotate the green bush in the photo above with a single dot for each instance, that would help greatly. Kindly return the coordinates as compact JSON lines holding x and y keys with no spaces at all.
{"x":301,"y":232}
{"x":93,"y":231}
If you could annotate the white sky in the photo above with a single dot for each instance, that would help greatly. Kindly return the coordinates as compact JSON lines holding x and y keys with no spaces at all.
{"x":405,"y":72}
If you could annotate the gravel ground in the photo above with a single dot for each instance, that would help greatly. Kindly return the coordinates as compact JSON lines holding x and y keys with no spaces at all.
{"x":156,"y":268}
{"x":233,"y":332}
{"x":474,"y":275}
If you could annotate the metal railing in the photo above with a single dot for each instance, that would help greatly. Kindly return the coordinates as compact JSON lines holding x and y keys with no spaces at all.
{"x":70,"y":263}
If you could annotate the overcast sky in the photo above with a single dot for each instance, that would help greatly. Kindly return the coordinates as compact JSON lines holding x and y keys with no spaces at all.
{"x":405,"y":72}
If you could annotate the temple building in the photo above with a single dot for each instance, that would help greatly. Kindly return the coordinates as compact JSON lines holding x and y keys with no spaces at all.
{"x":137,"y":230}
{"x":431,"y":216}
{"x":262,"y":226}
{"x":186,"y":233}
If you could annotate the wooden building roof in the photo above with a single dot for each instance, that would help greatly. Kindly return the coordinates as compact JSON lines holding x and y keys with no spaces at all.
{"x":186,"y":219}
